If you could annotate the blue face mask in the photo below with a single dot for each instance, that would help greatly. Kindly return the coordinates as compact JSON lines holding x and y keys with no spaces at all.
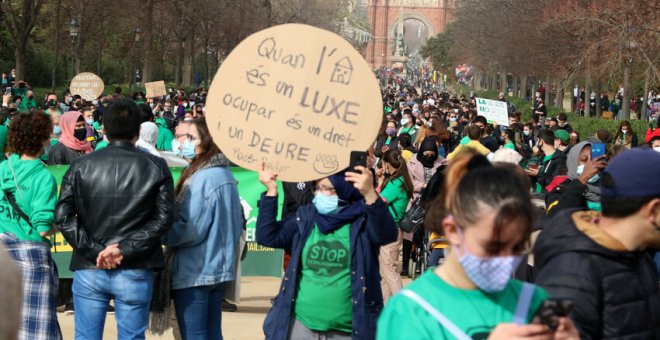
{"x":592,"y":180}
{"x":188,"y":149}
{"x":490,"y":274}
{"x":326,"y":205}
{"x":176,"y":147}
{"x":57,"y":130}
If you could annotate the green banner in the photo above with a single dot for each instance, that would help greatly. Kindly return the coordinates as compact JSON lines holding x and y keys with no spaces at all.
{"x":260,"y":261}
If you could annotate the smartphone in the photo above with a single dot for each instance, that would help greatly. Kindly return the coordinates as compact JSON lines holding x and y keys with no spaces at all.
{"x":551,"y":310}
{"x":597,"y":150}
{"x":7,"y":90}
{"x":358,"y":158}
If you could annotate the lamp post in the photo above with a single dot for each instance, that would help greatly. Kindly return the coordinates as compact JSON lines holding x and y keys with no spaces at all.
{"x":74,"y":30}
{"x":136,"y":40}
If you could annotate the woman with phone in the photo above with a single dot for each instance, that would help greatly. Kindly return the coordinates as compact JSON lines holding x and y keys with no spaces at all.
{"x":581,"y":189}
{"x":331,"y":287}
{"x":488,"y":227}
{"x":625,"y":136}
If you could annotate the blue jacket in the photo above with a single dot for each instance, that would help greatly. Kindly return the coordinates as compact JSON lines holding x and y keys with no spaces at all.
{"x":205,"y":234}
{"x":375,"y":228}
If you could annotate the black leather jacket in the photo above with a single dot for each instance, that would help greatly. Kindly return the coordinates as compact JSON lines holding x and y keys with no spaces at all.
{"x":118,"y":194}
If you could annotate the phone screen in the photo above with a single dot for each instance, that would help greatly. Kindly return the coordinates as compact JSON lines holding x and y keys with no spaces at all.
{"x":597,"y":150}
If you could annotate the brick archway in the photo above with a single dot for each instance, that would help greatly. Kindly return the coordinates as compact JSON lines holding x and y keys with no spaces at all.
{"x":384,"y":16}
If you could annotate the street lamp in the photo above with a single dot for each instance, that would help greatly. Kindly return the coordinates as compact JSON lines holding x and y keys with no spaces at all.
{"x":74,"y":30}
{"x":136,"y":40}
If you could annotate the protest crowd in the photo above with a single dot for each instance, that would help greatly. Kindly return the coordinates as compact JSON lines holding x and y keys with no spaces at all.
{"x":524,"y":231}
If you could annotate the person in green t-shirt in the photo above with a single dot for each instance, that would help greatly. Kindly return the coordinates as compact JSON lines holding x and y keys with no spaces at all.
{"x":396,"y":189}
{"x":472,"y":294}
{"x":27,"y":216}
{"x":508,"y":138}
{"x":331,"y":288}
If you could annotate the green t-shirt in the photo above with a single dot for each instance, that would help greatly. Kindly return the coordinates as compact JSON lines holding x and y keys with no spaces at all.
{"x":473,"y":311}
{"x":510,"y":145}
{"x":100,"y":145}
{"x":396,"y":198}
{"x":324,"y":283}
{"x":3,"y":142}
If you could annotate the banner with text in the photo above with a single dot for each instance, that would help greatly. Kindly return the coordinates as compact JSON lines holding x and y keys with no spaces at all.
{"x":260,"y":261}
{"x":155,"y":89}
{"x":297,"y":98}
{"x":495,"y":111}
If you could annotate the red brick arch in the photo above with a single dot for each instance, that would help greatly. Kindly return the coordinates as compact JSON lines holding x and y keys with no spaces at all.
{"x":384,"y":17}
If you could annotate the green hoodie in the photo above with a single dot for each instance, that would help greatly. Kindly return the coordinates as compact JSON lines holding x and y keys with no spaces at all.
{"x":37,"y":198}
{"x":165,"y":136}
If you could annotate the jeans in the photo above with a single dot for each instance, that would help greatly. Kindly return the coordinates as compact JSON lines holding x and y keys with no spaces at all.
{"x":129,"y":288}
{"x":199,"y":311}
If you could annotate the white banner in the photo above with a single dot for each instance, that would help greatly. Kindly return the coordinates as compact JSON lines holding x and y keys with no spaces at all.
{"x":495,"y":111}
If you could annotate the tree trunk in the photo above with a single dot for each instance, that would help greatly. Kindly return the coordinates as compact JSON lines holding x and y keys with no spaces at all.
{"x":523,"y":86}
{"x":643,"y":113}
{"x":147,"y":42}
{"x":625,"y":107}
{"x":548,"y":91}
{"x":587,"y":95}
{"x":53,"y":81}
{"x":503,"y":81}
{"x":514,"y":86}
{"x":188,"y":59}
{"x":178,"y":65}
{"x":20,"y":53}
{"x":599,"y":109}
{"x":559,"y":96}
{"x":206,"y":60}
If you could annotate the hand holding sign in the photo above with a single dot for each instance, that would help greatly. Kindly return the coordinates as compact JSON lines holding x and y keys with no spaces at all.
{"x":300,"y":107}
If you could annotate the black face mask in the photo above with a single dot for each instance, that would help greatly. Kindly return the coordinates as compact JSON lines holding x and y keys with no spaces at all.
{"x":12,"y":111}
{"x":52,"y":103}
{"x":80,"y":134}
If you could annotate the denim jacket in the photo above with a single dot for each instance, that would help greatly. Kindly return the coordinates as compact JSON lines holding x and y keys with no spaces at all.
{"x":374,"y":228}
{"x":206,"y":232}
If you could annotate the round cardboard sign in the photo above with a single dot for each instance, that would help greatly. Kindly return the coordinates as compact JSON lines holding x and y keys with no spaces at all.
{"x":296,"y":97}
{"x":88,"y":85}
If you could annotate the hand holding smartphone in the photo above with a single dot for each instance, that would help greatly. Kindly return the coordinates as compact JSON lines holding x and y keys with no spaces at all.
{"x":358,"y":158}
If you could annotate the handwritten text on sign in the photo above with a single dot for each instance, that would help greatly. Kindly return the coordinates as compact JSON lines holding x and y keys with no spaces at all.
{"x":297,"y":97}
{"x":494,"y":111}
{"x":88,"y":85}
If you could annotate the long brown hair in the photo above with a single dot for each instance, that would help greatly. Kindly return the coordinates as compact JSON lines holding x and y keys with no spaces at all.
{"x":394,"y":158}
{"x":629,"y":135}
{"x":208,"y":150}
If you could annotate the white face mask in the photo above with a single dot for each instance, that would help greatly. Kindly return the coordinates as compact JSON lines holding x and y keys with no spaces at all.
{"x":657,"y":148}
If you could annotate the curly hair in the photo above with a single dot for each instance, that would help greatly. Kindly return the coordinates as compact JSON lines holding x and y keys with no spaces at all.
{"x":28,"y":132}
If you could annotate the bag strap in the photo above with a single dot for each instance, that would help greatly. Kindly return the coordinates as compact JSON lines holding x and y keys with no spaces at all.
{"x":436,"y":314}
{"x":17,"y":209}
{"x":524,"y":301}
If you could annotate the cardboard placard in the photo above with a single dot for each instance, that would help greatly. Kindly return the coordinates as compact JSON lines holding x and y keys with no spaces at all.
{"x":494,"y":111}
{"x":298,"y":98}
{"x":88,"y":85}
{"x":155,"y":89}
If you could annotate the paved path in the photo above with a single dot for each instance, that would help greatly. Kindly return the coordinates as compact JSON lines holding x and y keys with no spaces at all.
{"x":246,"y":324}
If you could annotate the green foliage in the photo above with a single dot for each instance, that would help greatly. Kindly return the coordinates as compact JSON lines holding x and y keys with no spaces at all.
{"x":437,"y":48}
{"x":585,"y":126}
